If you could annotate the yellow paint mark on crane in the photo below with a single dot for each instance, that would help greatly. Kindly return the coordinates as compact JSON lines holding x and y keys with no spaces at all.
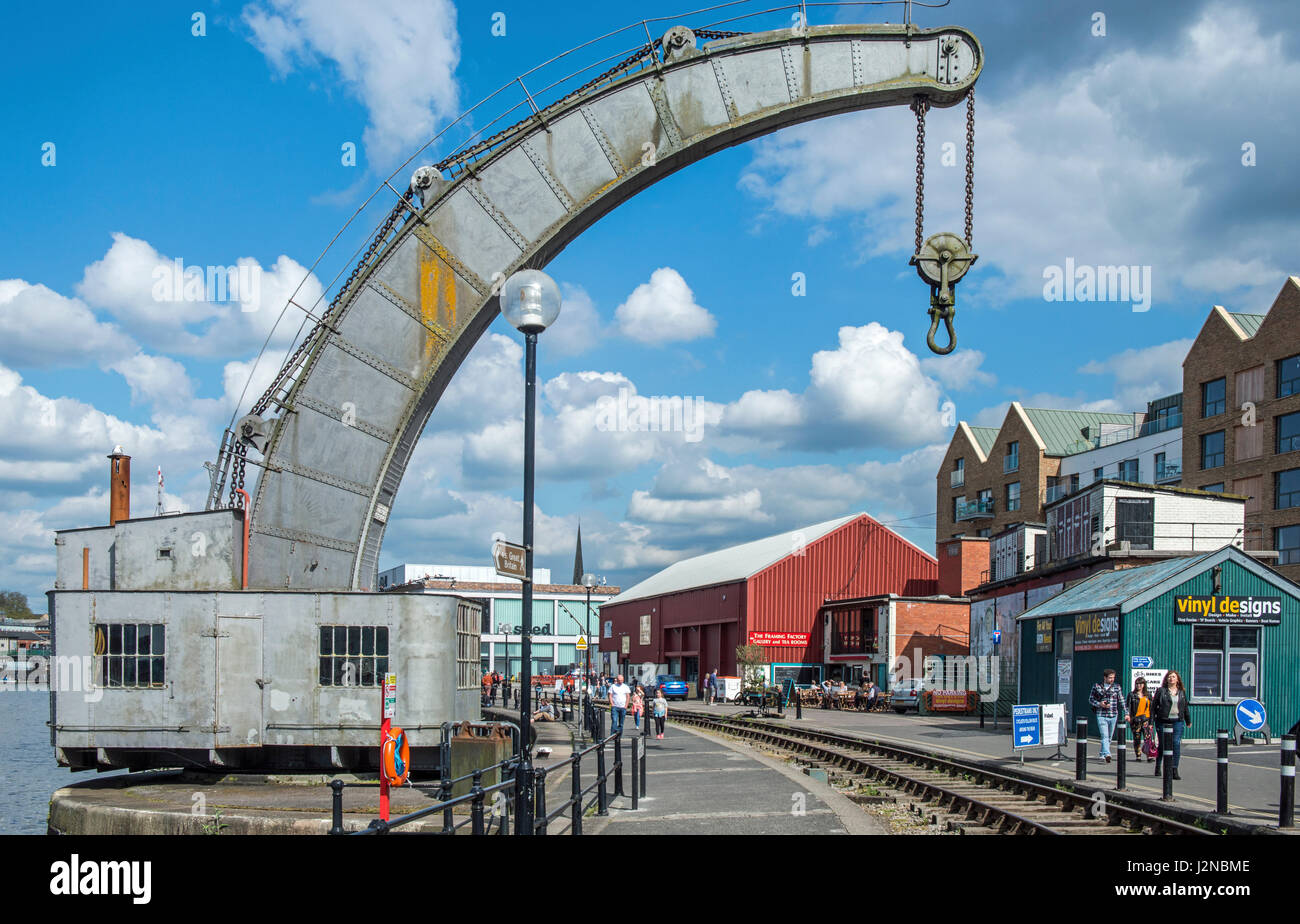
{"x":438,"y":305}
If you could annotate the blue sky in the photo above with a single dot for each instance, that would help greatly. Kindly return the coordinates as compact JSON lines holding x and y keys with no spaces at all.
{"x":1122,"y":148}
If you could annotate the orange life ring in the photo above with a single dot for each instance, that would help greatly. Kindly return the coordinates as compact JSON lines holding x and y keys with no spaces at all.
{"x":395,"y":757}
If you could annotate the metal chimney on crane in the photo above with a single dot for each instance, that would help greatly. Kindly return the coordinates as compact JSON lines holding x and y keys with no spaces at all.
{"x":119,"y":486}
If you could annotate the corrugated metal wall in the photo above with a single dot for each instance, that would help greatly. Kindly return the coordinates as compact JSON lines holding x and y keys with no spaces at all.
{"x":859,"y":559}
{"x":1150,"y":630}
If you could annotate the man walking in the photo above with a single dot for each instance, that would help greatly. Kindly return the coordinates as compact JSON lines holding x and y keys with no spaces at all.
{"x":1107,"y":702}
{"x":618,"y":697}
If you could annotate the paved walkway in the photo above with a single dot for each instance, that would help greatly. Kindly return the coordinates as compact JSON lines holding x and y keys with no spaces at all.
{"x":1253,"y":776}
{"x":701,"y":784}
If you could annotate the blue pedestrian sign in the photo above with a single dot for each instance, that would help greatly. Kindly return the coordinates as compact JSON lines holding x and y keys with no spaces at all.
{"x":1251,"y":718}
{"x":1251,"y":714}
{"x":1026,"y":727}
{"x":1140,"y":662}
{"x":997,"y":636}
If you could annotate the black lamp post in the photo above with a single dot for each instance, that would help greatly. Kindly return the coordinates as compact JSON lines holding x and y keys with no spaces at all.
{"x":530,"y":300}
{"x":588,"y":581}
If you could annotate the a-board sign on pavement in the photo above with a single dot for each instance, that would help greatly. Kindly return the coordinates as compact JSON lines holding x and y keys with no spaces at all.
{"x":1053,"y":724}
{"x":509,"y":560}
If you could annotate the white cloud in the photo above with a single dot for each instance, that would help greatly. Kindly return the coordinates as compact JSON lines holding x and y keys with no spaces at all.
{"x":869,"y":391}
{"x":397,"y":57}
{"x":743,"y":506}
{"x":959,"y":370}
{"x":162,"y":300}
{"x":663,"y":310}
{"x":1144,"y":373}
{"x":40,"y":328}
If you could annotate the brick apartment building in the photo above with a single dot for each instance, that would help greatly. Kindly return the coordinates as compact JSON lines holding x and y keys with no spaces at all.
{"x":1236,"y":361}
{"x":993,"y":477}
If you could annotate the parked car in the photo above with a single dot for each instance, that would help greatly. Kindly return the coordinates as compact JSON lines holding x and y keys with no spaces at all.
{"x":673,"y":686}
{"x":907,"y":694}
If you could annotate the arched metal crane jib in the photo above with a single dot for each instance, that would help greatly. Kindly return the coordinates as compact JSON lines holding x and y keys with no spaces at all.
{"x":338,"y":425}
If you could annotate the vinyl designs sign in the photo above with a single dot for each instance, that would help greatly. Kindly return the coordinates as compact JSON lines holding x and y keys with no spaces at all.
{"x":1229,"y":611}
{"x":1096,"y":632}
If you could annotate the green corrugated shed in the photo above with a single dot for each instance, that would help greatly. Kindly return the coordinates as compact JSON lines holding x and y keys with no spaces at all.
{"x":1062,"y":431}
{"x":1143,"y":598}
{"x":1249,"y":322}
{"x":986,"y":437}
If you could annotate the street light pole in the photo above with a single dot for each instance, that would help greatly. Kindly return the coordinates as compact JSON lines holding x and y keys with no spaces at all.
{"x":525,"y":792}
{"x":530,"y":300}
{"x":588,"y":581}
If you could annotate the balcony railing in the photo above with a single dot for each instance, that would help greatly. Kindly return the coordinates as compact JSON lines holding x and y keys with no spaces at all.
{"x":975,"y":510}
{"x":1161,"y":424}
{"x":1170,"y":471}
{"x":1054,"y":493}
{"x":957,"y":478}
{"x":1011,"y":463}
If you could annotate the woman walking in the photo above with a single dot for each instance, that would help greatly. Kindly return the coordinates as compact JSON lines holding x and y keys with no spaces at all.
{"x":660,"y":712}
{"x":1170,"y":708}
{"x":1139,"y":709}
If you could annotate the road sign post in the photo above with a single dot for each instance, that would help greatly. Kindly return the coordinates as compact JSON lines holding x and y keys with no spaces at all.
{"x":510,"y":560}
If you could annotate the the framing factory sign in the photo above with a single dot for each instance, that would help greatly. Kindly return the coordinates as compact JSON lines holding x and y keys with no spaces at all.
{"x":778,"y":638}
{"x":1096,"y":632}
{"x":1229,"y":611}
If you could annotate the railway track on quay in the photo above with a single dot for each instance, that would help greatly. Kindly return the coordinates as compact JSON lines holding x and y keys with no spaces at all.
{"x":961,"y":797}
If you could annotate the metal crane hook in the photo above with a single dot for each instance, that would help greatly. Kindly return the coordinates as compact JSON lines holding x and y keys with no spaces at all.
{"x":944,"y":312}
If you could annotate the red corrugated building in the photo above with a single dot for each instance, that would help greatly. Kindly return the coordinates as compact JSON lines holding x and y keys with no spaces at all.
{"x":689,"y":618}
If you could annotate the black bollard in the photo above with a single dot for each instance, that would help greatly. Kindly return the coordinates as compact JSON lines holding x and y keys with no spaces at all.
{"x":981,"y":716}
{"x":1167,"y":756}
{"x":1081,"y":749}
{"x":618,"y":764}
{"x":602,"y":792}
{"x":1121,"y":755}
{"x":1221,"y":746}
{"x":645,"y":753}
{"x":798,"y":707}
{"x":636,"y":774}
{"x":337,"y":826}
{"x":1286,"y":805}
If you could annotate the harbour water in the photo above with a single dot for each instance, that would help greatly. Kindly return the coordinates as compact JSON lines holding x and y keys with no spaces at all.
{"x":29,"y":774}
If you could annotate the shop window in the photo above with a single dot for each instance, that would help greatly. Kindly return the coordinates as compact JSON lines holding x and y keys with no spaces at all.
{"x":1288,"y":376}
{"x":1286,"y":489}
{"x":353,"y":656}
{"x":131,"y":655}
{"x":1214,"y":397}
{"x":1286,"y":539}
{"x":1207,"y":662}
{"x":1288,"y":433}
{"x":1212,"y":449}
{"x":1225,"y":663}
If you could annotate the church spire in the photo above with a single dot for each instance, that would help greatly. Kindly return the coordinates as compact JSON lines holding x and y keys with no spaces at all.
{"x":577,"y":558}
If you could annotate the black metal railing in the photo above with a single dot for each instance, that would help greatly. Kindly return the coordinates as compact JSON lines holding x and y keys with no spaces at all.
{"x":497,"y":819}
